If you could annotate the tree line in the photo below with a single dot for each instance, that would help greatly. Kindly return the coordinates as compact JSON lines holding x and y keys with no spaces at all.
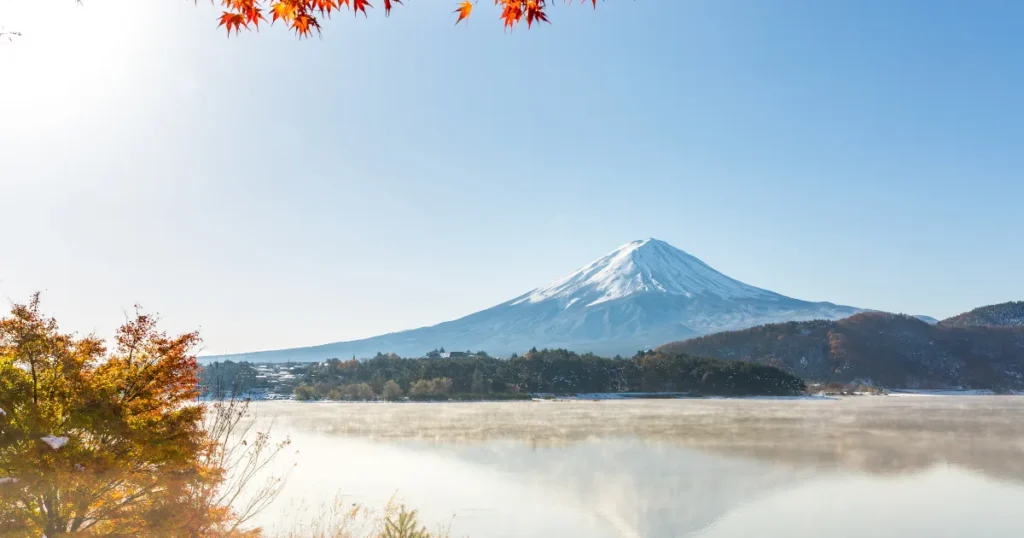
{"x":548,"y":371}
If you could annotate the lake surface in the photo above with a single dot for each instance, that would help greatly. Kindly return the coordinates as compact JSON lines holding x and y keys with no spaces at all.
{"x":928,"y":466}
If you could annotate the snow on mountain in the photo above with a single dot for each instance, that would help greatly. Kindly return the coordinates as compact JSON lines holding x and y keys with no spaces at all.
{"x":648,"y":265}
{"x":643,"y":294}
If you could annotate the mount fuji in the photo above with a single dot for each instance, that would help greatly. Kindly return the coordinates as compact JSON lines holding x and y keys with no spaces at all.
{"x":643,"y":294}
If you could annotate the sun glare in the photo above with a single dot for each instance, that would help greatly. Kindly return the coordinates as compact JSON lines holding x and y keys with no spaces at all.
{"x":69,"y":61}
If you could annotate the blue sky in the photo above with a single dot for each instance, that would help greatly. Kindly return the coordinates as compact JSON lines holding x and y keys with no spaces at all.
{"x":401,"y":171}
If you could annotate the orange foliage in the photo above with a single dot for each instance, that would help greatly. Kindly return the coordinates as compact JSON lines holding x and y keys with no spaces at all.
{"x":465,"y":8}
{"x":303,"y":16}
{"x":98,"y":441}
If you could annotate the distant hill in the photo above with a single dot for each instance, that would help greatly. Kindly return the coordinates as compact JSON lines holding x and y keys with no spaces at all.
{"x":997,"y":315}
{"x":891,"y":350}
{"x":643,"y":294}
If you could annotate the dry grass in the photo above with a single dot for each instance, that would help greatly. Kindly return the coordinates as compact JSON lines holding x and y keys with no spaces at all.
{"x":341,"y":520}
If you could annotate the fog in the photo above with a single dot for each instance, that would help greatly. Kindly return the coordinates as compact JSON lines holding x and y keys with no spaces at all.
{"x":884,"y":466}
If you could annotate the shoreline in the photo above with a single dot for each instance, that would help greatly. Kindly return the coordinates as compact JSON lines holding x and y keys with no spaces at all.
{"x":633,"y":396}
{"x":583,"y":397}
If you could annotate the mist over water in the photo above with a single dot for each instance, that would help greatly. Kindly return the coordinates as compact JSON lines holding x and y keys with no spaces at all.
{"x":878,"y":466}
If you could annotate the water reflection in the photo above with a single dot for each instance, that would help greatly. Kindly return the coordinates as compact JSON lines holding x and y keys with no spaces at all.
{"x":942,"y":502}
{"x":672,"y":468}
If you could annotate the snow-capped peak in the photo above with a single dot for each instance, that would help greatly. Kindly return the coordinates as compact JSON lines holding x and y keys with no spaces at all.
{"x":646,"y":265}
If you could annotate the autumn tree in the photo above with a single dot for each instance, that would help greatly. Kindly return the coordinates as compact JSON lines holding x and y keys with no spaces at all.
{"x":391,"y":391}
{"x":438,"y":388}
{"x":304,"y":392}
{"x":98,"y":441}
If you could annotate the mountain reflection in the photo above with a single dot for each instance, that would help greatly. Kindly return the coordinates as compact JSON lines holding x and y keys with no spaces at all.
{"x":865,"y":434}
{"x":657,"y":468}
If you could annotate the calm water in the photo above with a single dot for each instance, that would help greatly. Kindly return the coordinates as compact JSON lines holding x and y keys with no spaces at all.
{"x":870,"y":466}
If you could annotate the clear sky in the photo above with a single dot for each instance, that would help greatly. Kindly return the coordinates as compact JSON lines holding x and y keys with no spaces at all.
{"x":401,"y":171}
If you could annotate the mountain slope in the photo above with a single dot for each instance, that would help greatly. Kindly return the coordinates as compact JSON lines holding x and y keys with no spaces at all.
{"x":643,"y":294}
{"x":892,"y":350}
{"x":997,"y":315}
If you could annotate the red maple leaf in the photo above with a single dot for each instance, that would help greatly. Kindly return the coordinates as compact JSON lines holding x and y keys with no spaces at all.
{"x":535,"y":12}
{"x":232,"y":21}
{"x":304,"y":24}
{"x":465,"y":8}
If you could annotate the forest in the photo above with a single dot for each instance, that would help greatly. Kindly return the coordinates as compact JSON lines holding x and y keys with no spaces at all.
{"x":548,"y":371}
{"x":880,"y":349}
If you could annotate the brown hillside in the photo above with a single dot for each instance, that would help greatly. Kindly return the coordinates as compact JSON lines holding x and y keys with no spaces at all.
{"x":997,"y":315}
{"x":891,"y":350}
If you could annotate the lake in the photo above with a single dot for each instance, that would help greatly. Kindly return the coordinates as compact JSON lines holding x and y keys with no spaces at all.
{"x":906,"y":466}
